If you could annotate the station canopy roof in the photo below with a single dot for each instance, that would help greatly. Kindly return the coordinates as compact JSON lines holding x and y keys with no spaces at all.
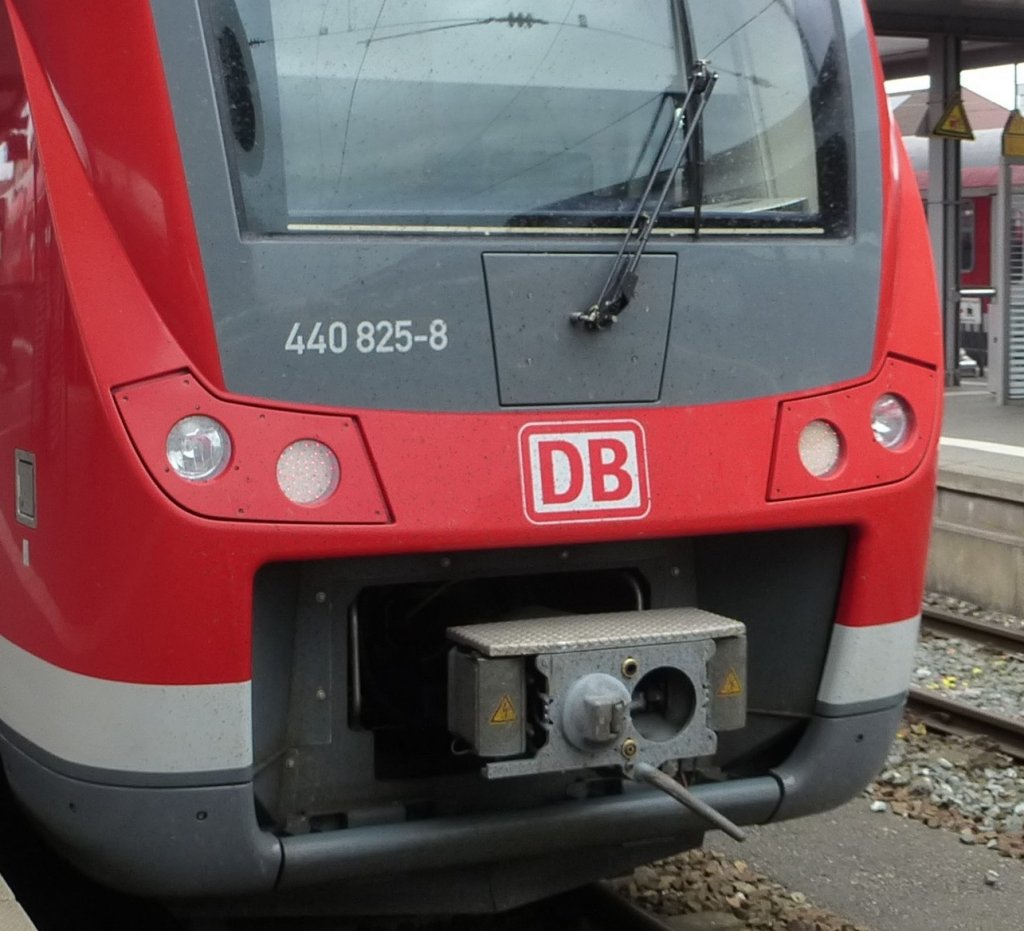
{"x":992,"y":32}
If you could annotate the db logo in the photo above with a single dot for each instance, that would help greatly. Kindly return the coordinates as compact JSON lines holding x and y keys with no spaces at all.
{"x":584,"y":471}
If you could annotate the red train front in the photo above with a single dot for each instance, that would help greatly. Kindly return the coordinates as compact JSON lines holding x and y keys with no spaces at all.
{"x":367,"y":519}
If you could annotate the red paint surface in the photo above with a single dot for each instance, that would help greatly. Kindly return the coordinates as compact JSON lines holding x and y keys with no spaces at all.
{"x":980,"y":275}
{"x":102,"y":288}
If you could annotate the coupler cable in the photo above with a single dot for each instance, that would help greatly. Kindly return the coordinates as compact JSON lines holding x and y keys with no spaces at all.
{"x":645,"y":772}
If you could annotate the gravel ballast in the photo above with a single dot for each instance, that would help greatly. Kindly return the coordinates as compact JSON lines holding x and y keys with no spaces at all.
{"x":971,"y":610}
{"x":703,"y":889}
{"x":962,"y":785}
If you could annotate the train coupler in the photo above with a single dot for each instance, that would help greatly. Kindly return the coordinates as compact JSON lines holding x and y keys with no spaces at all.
{"x":561,"y":693}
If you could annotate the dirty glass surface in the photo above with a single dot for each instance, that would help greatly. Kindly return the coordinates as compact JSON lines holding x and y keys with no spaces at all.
{"x":343,"y":115}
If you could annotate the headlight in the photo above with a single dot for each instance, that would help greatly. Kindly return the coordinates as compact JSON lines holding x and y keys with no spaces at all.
{"x":820,"y":448}
{"x":198,"y":448}
{"x":890,"y":420}
{"x":308,"y":472}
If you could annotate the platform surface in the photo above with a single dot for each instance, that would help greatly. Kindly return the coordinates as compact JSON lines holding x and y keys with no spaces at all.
{"x":12,"y":915}
{"x":982,"y":444}
{"x":885,"y":872}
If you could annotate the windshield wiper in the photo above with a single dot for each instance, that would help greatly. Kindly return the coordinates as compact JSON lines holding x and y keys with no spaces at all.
{"x":620,"y":286}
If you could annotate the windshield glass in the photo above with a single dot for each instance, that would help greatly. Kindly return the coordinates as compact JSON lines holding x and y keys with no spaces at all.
{"x":456,"y":114}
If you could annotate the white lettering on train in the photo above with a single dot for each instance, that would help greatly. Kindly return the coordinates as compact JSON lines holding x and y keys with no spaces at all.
{"x":370,"y":336}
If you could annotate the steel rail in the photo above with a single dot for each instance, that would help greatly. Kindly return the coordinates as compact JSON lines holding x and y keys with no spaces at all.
{"x":603,"y":909}
{"x":953,"y":717}
{"x":946,"y":623}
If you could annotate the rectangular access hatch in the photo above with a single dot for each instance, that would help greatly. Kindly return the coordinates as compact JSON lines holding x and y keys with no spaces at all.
{"x":543,"y":358}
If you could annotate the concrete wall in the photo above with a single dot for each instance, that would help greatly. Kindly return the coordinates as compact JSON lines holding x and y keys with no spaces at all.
{"x":977,"y":548}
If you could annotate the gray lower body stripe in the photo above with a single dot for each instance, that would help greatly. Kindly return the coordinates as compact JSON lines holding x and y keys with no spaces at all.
{"x":868,"y":664}
{"x":123,"y":778}
{"x":827,"y":710}
{"x":125,"y":726}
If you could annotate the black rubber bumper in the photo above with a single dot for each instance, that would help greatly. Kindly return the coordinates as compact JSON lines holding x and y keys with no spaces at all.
{"x":205,"y":841}
{"x":836,"y":757}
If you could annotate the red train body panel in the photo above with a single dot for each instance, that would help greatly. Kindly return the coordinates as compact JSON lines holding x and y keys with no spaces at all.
{"x":209,"y":630}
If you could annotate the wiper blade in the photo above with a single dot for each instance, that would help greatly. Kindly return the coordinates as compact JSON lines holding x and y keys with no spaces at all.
{"x":621,"y":284}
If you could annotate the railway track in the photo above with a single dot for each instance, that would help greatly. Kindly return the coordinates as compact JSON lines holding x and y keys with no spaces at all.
{"x":597,"y":907}
{"x":946,"y":623}
{"x":606,"y":910}
{"x":949,"y":716}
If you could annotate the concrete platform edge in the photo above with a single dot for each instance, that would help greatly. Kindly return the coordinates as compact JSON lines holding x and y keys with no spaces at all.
{"x":971,"y":481}
{"x":12,"y":916}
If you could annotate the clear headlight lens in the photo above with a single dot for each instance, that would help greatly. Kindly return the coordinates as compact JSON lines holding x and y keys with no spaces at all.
{"x":308,"y":472}
{"x":820,"y":448}
{"x":891,"y":420}
{"x":198,"y":448}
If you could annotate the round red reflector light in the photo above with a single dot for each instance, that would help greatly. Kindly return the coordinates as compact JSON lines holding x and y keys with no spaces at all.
{"x":820,"y":447}
{"x":308,"y":472}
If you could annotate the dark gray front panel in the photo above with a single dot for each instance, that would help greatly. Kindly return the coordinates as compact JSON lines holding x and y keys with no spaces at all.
{"x":768,"y":317}
{"x":543,"y":358}
{"x":751,"y":315}
{"x":400,"y":324}
{"x":747,"y":319}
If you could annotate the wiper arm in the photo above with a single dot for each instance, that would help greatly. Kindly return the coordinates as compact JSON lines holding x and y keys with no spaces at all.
{"x":620,"y":286}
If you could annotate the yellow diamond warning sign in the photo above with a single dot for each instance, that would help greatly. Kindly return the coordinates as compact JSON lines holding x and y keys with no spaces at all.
{"x":731,"y":685}
{"x":1013,"y":135}
{"x":954,"y":123}
{"x":505,"y":713}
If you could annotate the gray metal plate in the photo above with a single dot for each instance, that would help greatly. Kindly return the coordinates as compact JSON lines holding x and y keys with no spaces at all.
{"x":576,"y":632}
{"x":544,"y":359}
{"x":696,"y":739}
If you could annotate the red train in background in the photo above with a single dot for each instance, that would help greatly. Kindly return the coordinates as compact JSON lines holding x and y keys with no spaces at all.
{"x":979,"y":178}
{"x":436,"y":441}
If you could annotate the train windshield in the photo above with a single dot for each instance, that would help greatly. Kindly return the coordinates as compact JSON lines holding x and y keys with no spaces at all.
{"x":353,"y":115}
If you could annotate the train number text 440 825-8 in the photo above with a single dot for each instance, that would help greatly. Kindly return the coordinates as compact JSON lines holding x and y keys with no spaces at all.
{"x":366,"y":336}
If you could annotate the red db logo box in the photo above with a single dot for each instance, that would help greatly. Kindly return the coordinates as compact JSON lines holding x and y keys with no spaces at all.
{"x":584,"y":471}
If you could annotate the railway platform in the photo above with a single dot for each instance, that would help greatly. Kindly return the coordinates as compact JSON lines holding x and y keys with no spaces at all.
{"x":885,"y":872}
{"x":12,"y":915}
{"x":982,"y":439}
{"x":977,"y":550}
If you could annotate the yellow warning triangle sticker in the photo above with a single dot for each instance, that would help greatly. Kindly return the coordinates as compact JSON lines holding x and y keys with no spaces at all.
{"x":505,"y":713}
{"x":731,"y":685}
{"x":954,"y":123}
{"x":1013,"y":135}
